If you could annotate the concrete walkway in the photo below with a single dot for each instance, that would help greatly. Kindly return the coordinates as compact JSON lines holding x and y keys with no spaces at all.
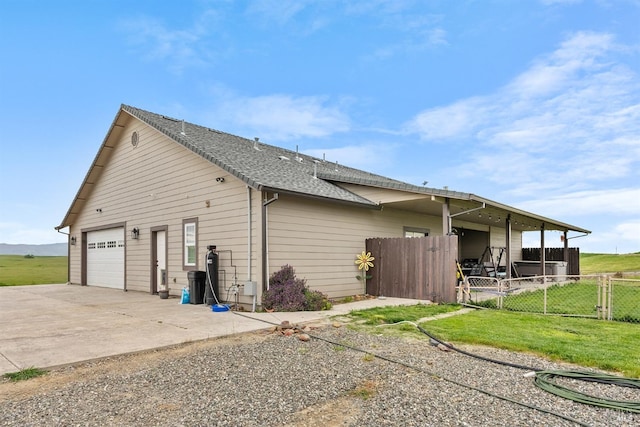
{"x":51,"y":325}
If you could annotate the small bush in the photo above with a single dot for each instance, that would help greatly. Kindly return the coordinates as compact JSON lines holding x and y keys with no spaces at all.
{"x":285,"y":293}
{"x":25,"y":374}
{"x":316,"y":301}
{"x":288,"y":293}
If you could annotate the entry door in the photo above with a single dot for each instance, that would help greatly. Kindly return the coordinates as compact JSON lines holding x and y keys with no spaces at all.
{"x":161,"y":260}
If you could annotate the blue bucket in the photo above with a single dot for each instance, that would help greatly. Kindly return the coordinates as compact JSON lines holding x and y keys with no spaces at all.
{"x":219,"y":307}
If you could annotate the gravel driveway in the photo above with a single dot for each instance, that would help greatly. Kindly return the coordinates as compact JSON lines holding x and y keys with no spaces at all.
{"x":266,"y":379}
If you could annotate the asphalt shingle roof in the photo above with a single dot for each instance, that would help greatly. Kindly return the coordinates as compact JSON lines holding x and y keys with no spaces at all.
{"x":270,"y":168}
{"x":264,"y":166}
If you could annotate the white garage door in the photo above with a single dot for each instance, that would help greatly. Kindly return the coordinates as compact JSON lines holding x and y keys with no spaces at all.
{"x":105,"y":258}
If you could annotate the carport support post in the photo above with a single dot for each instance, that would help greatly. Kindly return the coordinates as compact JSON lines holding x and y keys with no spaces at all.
{"x":508,"y":239}
{"x":446,"y":218}
{"x":542,"y":251}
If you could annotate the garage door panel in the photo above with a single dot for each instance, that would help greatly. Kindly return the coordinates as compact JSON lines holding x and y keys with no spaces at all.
{"x":105,"y":258}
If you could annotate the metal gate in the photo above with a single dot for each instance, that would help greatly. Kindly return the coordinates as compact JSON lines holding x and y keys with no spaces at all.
{"x":578,"y":296}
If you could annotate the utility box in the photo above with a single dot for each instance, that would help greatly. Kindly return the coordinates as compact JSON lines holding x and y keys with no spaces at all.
{"x":249,"y":288}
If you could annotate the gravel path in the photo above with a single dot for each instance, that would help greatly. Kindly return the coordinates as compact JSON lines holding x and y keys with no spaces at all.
{"x":266,"y":379}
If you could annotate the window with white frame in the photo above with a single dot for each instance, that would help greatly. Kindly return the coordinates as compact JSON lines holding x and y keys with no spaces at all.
{"x":415,"y":232}
{"x":190,"y":243}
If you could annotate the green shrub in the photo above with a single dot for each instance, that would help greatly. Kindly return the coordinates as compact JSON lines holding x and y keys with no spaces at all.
{"x":288,"y":293}
{"x":316,"y":301}
{"x":25,"y":374}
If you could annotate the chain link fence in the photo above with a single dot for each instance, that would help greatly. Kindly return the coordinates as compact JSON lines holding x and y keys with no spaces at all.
{"x":596,"y":296}
{"x":624,"y":303}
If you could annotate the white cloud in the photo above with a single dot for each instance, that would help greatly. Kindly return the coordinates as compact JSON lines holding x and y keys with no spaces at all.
{"x":366,"y":156}
{"x":623,"y":237}
{"x":576,"y":57}
{"x":277,"y":11}
{"x":552,"y":2}
{"x":282,"y":117}
{"x":20,"y":233}
{"x":625,"y":201}
{"x":181,"y":47}
{"x":571,"y":119}
{"x":457,"y":120}
{"x":613,"y":237}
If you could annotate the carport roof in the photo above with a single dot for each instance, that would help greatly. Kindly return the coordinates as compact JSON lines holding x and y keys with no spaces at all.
{"x":269,"y":168}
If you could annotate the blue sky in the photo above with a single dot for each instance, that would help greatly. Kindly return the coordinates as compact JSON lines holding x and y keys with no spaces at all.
{"x":535,"y":104}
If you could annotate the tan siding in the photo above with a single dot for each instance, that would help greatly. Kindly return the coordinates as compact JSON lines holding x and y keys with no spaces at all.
{"x":516,"y":246}
{"x":74,"y":258}
{"x":469,"y":225}
{"x":498,"y":237}
{"x":321,"y":240}
{"x":160,"y":183}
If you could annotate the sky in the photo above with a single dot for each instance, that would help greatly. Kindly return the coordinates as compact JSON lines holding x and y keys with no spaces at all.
{"x":531,"y":103}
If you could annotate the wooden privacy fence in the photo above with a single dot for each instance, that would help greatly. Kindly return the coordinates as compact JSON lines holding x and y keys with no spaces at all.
{"x":419,"y":268}
{"x":555,"y":254}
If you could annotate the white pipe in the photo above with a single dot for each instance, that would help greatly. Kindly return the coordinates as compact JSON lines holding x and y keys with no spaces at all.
{"x":265,"y":241}
{"x":470,"y":210}
{"x":206,"y":263}
{"x":249,"y":243}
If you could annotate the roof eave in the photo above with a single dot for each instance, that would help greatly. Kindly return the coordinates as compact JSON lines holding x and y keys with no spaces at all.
{"x":66,"y":220}
{"x":540,"y":218}
{"x":369,"y":205}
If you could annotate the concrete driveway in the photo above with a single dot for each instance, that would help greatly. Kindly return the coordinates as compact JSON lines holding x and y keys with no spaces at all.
{"x":51,"y":325}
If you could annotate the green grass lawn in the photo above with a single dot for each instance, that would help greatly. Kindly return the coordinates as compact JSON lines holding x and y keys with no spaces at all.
{"x":609,"y":263}
{"x":17,"y":270}
{"x":611,"y":346}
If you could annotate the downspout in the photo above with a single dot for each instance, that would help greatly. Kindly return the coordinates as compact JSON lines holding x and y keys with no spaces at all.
{"x":249,"y":245}
{"x":566,"y":245}
{"x":265,"y":246}
{"x":508,"y":239}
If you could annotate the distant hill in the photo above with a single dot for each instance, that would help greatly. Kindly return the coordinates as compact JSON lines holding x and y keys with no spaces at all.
{"x":52,"y":249}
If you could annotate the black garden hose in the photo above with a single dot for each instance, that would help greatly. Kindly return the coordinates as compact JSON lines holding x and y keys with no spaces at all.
{"x":544,"y":380}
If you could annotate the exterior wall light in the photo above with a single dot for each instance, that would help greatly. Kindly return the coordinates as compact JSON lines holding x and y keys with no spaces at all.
{"x":72,"y":240}
{"x":135,"y":233}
